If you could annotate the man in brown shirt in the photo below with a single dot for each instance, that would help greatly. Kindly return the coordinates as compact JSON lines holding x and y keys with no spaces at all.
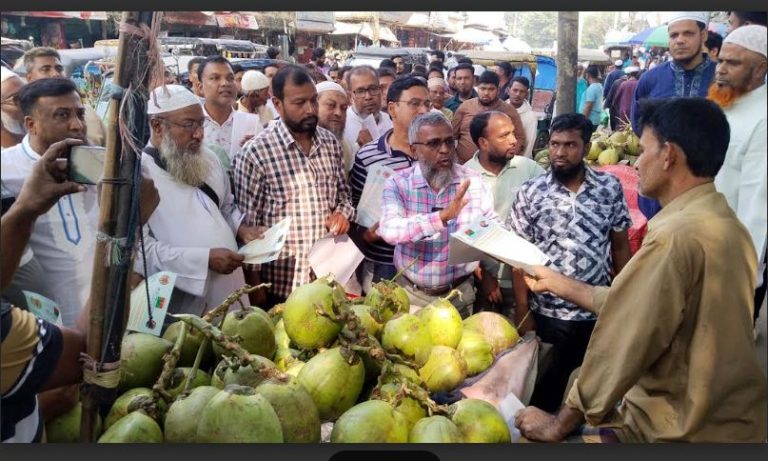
{"x":487,"y":99}
{"x":673,"y":341}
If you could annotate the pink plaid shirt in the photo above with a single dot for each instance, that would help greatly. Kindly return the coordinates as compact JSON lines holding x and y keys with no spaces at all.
{"x":411,"y":222}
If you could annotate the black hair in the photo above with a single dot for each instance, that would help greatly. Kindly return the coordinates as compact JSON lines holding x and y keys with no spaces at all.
{"x":237,"y":68}
{"x":464,"y":66}
{"x":435,"y":70}
{"x":452,"y":70}
{"x":573,"y":121}
{"x":697,"y":125}
{"x":593,"y":71}
{"x":480,"y":122}
{"x":192,"y":62}
{"x":216,"y":59}
{"x":398,"y":86}
{"x":45,"y":87}
{"x":439,"y":54}
{"x":523,"y":81}
{"x":465,"y":60}
{"x":386,"y":72}
{"x":272,"y":52}
{"x":318,"y":53}
{"x":490,"y":78}
{"x":293,"y":73}
{"x":420,"y":68}
{"x":398,"y":56}
{"x":434,"y":65}
{"x":387,"y":63}
{"x":753,"y":17}
{"x":714,"y":40}
{"x":506,"y":67}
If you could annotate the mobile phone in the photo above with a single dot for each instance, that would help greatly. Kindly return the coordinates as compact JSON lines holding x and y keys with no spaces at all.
{"x":86,"y":164}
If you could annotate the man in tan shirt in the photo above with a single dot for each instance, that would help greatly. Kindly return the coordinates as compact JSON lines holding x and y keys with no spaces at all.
{"x":487,"y":99}
{"x":673,"y":341}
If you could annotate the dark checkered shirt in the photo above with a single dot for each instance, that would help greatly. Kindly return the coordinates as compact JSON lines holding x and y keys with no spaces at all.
{"x":274,"y":179}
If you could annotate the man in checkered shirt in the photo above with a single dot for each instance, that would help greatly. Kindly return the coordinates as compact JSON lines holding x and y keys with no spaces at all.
{"x":292,"y":168}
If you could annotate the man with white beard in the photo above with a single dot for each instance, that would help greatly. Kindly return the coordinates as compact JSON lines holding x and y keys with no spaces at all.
{"x":193,"y":231}
{"x":12,"y":130}
{"x":332,"y":115}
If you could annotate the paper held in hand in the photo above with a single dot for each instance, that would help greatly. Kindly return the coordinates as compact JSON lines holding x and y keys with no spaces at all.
{"x":484,"y":237}
{"x":267,"y":249}
{"x":335,"y":255}
{"x":369,"y":208}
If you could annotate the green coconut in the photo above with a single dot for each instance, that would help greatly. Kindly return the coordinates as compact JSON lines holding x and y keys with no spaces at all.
{"x":191,"y":344}
{"x":334,"y":380}
{"x":247,"y":375}
{"x":237,"y":414}
{"x":594,"y":151}
{"x":254,"y":329}
{"x":141,"y":359}
{"x":365,"y":314}
{"x":476,"y":351}
{"x":479,"y":421}
{"x":633,"y":144}
{"x":609,"y":156}
{"x":619,"y":137}
{"x":299,"y":418}
{"x":495,"y":328}
{"x":180,"y":376}
{"x":403,"y":372}
{"x":409,"y":407}
{"x":435,"y":429}
{"x":135,"y":427}
{"x":388,"y":299}
{"x":541,"y":155}
{"x":66,"y":428}
{"x":407,"y":335}
{"x":303,"y":324}
{"x":374,"y":421}
{"x":443,"y":322}
{"x":120,"y":406}
{"x":294,"y":368}
{"x":444,"y":370}
{"x":181,"y":420}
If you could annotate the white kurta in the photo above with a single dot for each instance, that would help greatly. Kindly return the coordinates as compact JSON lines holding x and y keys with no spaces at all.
{"x":181,"y":232}
{"x":742,"y":178}
{"x":64,"y":239}
{"x":530,"y":124}
{"x":355,"y":124}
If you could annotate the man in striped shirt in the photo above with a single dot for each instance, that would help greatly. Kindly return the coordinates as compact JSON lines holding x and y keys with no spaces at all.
{"x":406,"y":98}
{"x":292,"y":169}
{"x":423,"y":205}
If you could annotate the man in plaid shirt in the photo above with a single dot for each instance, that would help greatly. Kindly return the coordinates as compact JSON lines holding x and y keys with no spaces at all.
{"x":423,"y":205}
{"x":292,"y":168}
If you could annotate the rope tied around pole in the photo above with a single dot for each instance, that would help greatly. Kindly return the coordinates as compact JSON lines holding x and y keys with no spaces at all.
{"x":116,"y":249}
{"x":100,"y":379}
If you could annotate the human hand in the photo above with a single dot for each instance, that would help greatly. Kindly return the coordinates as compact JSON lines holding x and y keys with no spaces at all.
{"x":370,"y":236}
{"x":538,"y":425}
{"x":364,"y":137}
{"x":248,"y":233}
{"x":47,"y":182}
{"x":337,"y":224}
{"x":489,"y":287}
{"x":457,"y":204}
{"x":544,"y":279}
{"x":224,"y":261}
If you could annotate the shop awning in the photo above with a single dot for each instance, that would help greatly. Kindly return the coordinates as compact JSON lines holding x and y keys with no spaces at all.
{"x":86,"y":15}
{"x":315,"y":21}
{"x":470,"y":35}
{"x":364,"y":29}
{"x":237,"y":21}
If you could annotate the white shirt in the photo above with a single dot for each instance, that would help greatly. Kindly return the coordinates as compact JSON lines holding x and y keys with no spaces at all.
{"x":181,"y":232}
{"x":220,"y":139}
{"x":63,"y":239}
{"x":742,"y":178}
{"x":356,"y":123}
{"x":271,"y":107}
{"x":530,"y":124}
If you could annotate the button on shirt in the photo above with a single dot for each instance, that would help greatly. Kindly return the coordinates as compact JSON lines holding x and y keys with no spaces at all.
{"x":411,"y":222}
{"x":274,"y":179}
{"x":573,"y":230}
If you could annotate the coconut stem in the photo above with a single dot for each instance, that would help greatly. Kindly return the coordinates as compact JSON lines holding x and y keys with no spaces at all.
{"x":195,"y":366}
{"x":170,"y":359}
{"x":402,"y":271}
{"x":232,"y":299}
{"x":453,"y":294}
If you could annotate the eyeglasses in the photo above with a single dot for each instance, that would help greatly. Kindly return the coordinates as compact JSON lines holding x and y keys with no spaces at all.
{"x":188,"y":125}
{"x":435,"y":144}
{"x":416,"y":103}
{"x":373,"y":91}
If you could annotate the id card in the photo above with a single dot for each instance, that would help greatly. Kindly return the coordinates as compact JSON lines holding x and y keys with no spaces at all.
{"x":160,"y":289}
{"x":43,"y":307}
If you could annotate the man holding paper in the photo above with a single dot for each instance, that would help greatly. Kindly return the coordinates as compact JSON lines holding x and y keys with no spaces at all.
{"x":423,"y":205}
{"x":192,"y":232}
{"x":406,"y":99}
{"x":579,"y":218}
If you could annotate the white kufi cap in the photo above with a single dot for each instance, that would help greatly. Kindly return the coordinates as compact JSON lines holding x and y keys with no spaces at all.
{"x":751,"y":37}
{"x":169,"y":98}
{"x":6,"y":74}
{"x":435,"y":82}
{"x":253,"y":80}
{"x":330,"y":86}
{"x":618,"y":63}
{"x":698,"y":16}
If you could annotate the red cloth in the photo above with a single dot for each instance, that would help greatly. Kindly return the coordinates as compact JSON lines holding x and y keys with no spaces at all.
{"x":628,"y":178}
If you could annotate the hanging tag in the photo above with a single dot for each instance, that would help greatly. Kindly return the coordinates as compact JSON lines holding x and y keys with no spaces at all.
{"x":43,"y":307}
{"x":160,"y":289}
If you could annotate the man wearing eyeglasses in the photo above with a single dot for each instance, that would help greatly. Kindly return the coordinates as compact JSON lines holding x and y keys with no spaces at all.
{"x":423,"y":205}
{"x":365,"y":119}
{"x":192,"y":232}
{"x":487,"y":99}
{"x":406,"y":98}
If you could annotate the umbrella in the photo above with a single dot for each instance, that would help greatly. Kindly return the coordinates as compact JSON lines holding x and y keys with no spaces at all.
{"x":639,"y":39}
{"x":659,"y":37}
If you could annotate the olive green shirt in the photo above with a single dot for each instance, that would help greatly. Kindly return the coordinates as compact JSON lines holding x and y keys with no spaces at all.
{"x":674,"y":333}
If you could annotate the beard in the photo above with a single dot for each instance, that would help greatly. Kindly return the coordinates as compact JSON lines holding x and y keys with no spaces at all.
{"x":12,"y":125}
{"x":305,"y":125}
{"x":338,"y":132}
{"x":723,"y":95}
{"x":566,"y":174}
{"x":437,"y":177}
{"x":186,"y":166}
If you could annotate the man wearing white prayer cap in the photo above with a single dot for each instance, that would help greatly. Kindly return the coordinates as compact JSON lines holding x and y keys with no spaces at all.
{"x":255,"y":88}
{"x":12,"y":130}
{"x":332,"y":115}
{"x":739,"y":88}
{"x":688,"y":74}
{"x":194,"y":230}
{"x":438,"y":94}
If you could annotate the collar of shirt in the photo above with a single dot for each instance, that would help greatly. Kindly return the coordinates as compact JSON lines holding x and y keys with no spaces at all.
{"x":229,"y":120}
{"x":383,"y":145}
{"x":456,"y":96}
{"x":680,"y":202}
{"x":475,"y":164}
{"x":589,"y":181}
{"x":525,"y":108}
{"x":286,"y":138}
{"x":28,"y":150}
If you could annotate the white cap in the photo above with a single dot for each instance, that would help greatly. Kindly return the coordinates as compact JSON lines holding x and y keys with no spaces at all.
{"x":631,"y":69}
{"x":478,"y":69}
{"x":751,"y":37}
{"x":698,"y":16}
{"x":618,"y":62}
{"x":7,"y":73}
{"x":435,"y":82}
{"x":330,"y":86}
{"x":253,"y":80}
{"x":168,"y":98}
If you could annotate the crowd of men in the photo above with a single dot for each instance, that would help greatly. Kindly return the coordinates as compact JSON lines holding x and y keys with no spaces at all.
{"x":658,"y":344}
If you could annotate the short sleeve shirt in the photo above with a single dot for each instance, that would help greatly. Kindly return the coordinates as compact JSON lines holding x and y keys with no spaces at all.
{"x":594,"y":94}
